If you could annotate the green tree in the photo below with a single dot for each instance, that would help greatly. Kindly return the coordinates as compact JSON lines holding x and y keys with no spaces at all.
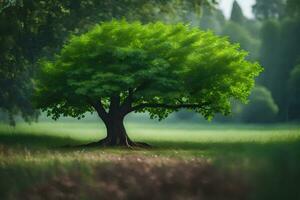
{"x":28,"y":29}
{"x":261,"y":107}
{"x":237,"y":15}
{"x":269,"y":9}
{"x":294,"y":94}
{"x":249,"y":25}
{"x":279,"y":50}
{"x":243,"y":31}
{"x":270,"y":56}
{"x":279,"y":53}
{"x":293,"y":8}
{"x":289,"y":57}
{"x":276,"y":9}
{"x":119,"y":67}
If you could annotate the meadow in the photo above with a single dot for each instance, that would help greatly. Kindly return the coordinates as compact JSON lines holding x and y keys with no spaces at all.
{"x":186,"y":161}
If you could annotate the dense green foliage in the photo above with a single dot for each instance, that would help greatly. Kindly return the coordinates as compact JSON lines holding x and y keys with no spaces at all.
{"x":155,"y":67}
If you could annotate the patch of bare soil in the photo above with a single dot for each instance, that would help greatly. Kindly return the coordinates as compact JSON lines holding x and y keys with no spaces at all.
{"x":136,"y":177}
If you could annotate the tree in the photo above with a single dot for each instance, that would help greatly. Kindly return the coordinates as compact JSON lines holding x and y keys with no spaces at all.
{"x":294,"y":94}
{"x":293,"y":8}
{"x":118,"y":67}
{"x":270,"y":56}
{"x":237,"y":15}
{"x":289,"y":57}
{"x":212,"y":19}
{"x":238,"y":34}
{"x":28,"y":29}
{"x":279,"y":53}
{"x":261,"y":108}
{"x":269,"y":9}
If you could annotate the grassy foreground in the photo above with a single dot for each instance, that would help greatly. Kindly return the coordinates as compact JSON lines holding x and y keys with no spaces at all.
{"x":187,"y":161}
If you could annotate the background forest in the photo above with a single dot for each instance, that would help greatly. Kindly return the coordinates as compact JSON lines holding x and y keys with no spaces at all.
{"x":37,"y":29}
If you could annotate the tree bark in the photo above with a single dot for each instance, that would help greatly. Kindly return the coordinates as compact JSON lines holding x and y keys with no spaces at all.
{"x":116,"y":132}
{"x":116,"y":135}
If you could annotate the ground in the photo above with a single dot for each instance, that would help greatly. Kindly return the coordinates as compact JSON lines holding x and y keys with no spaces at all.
{"x":187,"y":161}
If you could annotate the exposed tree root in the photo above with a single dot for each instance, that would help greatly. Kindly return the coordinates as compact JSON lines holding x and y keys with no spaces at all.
{"x":141,"y":145}
{"x":106,"y":142}
{"x":102,"y":143}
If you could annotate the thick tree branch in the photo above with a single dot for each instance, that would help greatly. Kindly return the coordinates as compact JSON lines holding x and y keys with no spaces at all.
{"x":167,"y":106}
{"x":114,"y":103}
{"x":98,"y":106}
{"x":126,"y":106}
{"x":142,"y":86}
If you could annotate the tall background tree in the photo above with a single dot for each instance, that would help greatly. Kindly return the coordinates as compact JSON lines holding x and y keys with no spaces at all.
{"x":268,"y":9}
{"x":280,"y":51}
{"x":294,"y":94}
{"x":237,"y":15}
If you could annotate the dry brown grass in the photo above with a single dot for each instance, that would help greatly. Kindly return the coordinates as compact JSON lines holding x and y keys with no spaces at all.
{"x":138,"y":177}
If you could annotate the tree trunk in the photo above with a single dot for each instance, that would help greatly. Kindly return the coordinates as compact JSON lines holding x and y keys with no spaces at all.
{"x":116,"y":133}
{"x":114,"y":122}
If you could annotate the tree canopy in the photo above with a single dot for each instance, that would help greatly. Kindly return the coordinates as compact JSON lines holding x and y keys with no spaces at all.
{"x":155,"y":67}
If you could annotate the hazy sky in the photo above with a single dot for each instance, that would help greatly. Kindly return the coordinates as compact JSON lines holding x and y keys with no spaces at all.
{"x":246,"y":5}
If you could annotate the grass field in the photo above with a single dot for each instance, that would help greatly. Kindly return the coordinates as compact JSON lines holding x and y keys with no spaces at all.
{"x":187,"y":161}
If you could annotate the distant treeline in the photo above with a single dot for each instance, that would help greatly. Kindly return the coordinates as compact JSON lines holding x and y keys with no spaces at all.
{"x":272,"y":39}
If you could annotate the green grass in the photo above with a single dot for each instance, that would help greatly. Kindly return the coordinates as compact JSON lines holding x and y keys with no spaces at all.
{"x":268,"y":157}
